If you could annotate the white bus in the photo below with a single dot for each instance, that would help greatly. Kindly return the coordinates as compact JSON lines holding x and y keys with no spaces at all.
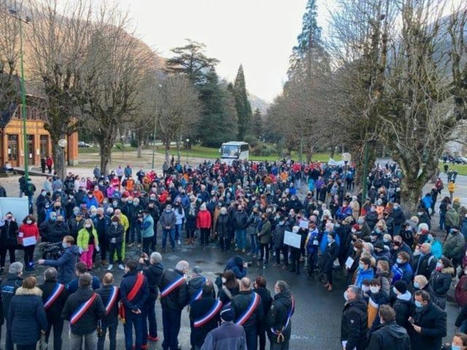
{"x":234,"y":150}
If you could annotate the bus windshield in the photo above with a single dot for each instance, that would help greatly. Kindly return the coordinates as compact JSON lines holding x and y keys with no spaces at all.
{"x":230,"y":151}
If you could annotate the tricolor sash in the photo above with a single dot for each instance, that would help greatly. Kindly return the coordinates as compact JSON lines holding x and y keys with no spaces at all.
{"x":208,"y":317}
{"x":199,"y":293}
{"x":250,"y":309}
{"x":58,"y":289}
{"x":289,"y":316}
{"x":172,"y":286}
{"x":112,"y":300}
{"x":76,"y":316}
{"x":131,"y":294}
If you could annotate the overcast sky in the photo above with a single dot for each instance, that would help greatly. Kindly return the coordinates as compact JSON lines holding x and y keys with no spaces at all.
{"x":259,"y":34}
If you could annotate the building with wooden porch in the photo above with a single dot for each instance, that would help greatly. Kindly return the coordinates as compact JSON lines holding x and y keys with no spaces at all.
{"x":38,"y":138}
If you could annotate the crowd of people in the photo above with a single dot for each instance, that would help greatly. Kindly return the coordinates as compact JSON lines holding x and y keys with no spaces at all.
{"x":397,"y":268}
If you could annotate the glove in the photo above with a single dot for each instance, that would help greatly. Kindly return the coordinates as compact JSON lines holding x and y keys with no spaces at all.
{"x":97,"y":249}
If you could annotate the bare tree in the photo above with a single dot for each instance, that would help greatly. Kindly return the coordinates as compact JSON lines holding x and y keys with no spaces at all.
{"x":177,"y":109}
{"x":58,"y":40}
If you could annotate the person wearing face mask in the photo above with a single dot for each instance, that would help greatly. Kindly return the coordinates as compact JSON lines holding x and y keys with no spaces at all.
{"x":91,"y":201}
{"x":222,"y":229}
{"x":428,"y":325}
{"x":376,"y":298}
{"x":397,"y":246}
{"x":364,"y":272}
{"x":440,"y":282}
{"x":371,"y":217}
{"x":459,"y":342}
{"x":402,"y":270}
{"x":454,"y":246}
{"x":41,"y":201}
{"x":87,"y":241}
{"x":354,"y":322}
{"x":328,"y":258}
{"x":47,"y":225}
{"x":424,"y":262}
{"x":278,"y":318}
{"x":29,"y":236}
{"x":167,"y":221}
{"x":65,"y":264}
{"x":388,"y":335}
{"x":8,"y":239}
{"x":115,"y":235}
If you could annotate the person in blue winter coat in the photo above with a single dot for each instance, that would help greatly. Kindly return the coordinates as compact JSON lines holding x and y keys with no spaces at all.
{"x":312,"y":247}
{"x":324,"y":240}
{"x":364,"y":272}
{"x":90,"y":201}
{"x":65,"y":264}
{"x":402,"y":270}
{"x":237,"y":266}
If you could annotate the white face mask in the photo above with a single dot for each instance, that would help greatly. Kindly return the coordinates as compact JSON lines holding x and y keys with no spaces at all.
{"x":375,"y":290}
{"x":87,"y":226}
{"x":29,"y":222}
{"x":365,"y":288}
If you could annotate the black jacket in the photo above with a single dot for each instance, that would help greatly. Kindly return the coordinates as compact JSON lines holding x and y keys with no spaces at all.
{"x":404,"y":308}
{"x":9,"y":234}
{"x":432,"y":320}
{"x":240,"y":304}
{"x":354,"y":324}
{"x":153,"y":273}
{"x":266,"y":300}
{"x":194,"y":285}
{"x":222,"y":225}
{"x":178,"y":298}
{"x":199,"y":309}
{"x":9,"y":286}
{"x":115,"y":232}
{"x":423,"y":265}
{"x":277,"y":317}
{"x":88,"y":322}
{"x":128,"y":281}
{"x":106,"y":292}
{"x":389,"y":336}
{"x":53,"y":312}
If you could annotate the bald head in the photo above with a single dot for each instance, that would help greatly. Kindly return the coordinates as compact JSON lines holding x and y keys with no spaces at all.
{"x":182,"y":266}
{"x":245,"y":284}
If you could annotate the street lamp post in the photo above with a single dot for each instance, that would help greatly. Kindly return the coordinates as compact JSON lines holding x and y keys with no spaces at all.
{"x":21,"y":20}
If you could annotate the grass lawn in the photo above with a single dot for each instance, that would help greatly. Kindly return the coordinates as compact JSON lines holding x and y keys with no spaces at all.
{"x":460,"y":168}
{"x":213,"y":153}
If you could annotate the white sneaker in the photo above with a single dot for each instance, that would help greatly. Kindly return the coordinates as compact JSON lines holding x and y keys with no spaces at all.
{"x":110,"y":267}
{"x":179,"y":242}
{"x":121,"y":267}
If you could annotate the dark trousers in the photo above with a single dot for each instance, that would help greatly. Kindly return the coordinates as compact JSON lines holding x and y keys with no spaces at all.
{"x":115,"y":248}
{"x":112,"y":329}
{"x":136,"y":322}
{"x":154,"y":238}
{"x":264,"y":250}
{"x":57,"y":325}
{"x":11,"y":250}
{"x":296,"y":260}
{"x":28,"y":256}
{"x":262,"y":337}
{"x":26,"y":347}
{"x":171,"y":323}
{"x":147,"y":241}
{"x":251,"y":339}
{"x":204,"y":232}
{"x":171,"y":234}
{"x":281,"y":346}
{"x":312,"y":263}
{"x":149,"y":317}
{"x":104,"y":247}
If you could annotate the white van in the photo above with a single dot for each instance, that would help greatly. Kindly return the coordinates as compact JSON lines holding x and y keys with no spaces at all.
{"x":234,"y":150}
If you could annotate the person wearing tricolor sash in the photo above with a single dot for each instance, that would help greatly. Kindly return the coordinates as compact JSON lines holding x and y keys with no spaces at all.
{"x":196,"y":284}
{"x":279,"y":316}
{"x":84,"y":308}
{"x":248,"y":311}
{"x":133,"y":292}
{"x":54,"y":296}
{"x":204,"y":315}
{"x":110,"y":297}
{"x":174,"y":297}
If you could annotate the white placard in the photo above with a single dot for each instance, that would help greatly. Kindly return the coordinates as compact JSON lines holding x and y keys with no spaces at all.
{"x":292,"y":239}
{"x":303,"y":224}
{"x":29,"y":241}
{"x":19,"y":207}
{"x":349,"y":262}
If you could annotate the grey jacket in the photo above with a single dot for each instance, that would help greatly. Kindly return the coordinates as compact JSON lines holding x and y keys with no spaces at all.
{"x":167,"y":219}
{"x":228,"y":336}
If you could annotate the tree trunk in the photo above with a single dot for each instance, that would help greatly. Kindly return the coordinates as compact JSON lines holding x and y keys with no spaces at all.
{"x":178,"y":151}
{"x":139,"y":150}
{"x":411,"y":192}
{"x":58,"y":154}
{"x":333,"y":150}
{"x":105,"y":151}
{"x":167,"y":147}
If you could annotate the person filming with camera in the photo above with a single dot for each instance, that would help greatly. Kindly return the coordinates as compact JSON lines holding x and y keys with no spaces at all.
{"x":65,"y":264}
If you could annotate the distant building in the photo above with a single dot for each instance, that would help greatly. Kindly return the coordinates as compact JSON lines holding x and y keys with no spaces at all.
{"x":39,"y":143}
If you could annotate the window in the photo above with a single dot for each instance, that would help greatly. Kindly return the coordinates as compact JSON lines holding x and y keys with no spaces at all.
{"x":13,"y":147}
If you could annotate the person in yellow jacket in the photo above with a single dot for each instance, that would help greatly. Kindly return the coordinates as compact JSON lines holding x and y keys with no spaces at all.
{"x":126,"y":225}
{"x":87,"y":241}
{"x":451,"y":189}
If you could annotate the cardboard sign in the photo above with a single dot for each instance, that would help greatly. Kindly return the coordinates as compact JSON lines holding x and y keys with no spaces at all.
{"x":292,"y":239}
{"x":19,"y":207}
{"x":303,"y":224}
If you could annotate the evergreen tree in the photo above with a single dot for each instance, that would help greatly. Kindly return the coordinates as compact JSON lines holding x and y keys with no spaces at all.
{"x":218,"y":120}
{"x":257,"y":124}
{"x":310,"y":36}
{"x":242,"y":104}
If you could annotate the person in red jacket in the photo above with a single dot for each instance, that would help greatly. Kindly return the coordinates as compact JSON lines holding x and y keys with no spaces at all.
{"x":203,"y":223}
{"x":29,"y":236}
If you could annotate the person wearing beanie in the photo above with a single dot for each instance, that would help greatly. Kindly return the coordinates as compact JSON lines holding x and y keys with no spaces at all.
{"x":228,"y":336}
{"x":402,"y":304}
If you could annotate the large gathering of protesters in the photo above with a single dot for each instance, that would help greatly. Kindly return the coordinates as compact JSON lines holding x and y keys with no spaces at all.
{"x":398,"y":266}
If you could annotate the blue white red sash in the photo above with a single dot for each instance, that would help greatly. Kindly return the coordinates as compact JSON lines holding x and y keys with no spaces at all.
{"x":112,"y":300}
{"x":208,"y":317}
{"x":289,"y":316}
{"x":250,"y":309}
{"x":172,"y":286}
{"x":75,"y":317}
{"x":199,"y":293}
{"x":58,"y":289}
